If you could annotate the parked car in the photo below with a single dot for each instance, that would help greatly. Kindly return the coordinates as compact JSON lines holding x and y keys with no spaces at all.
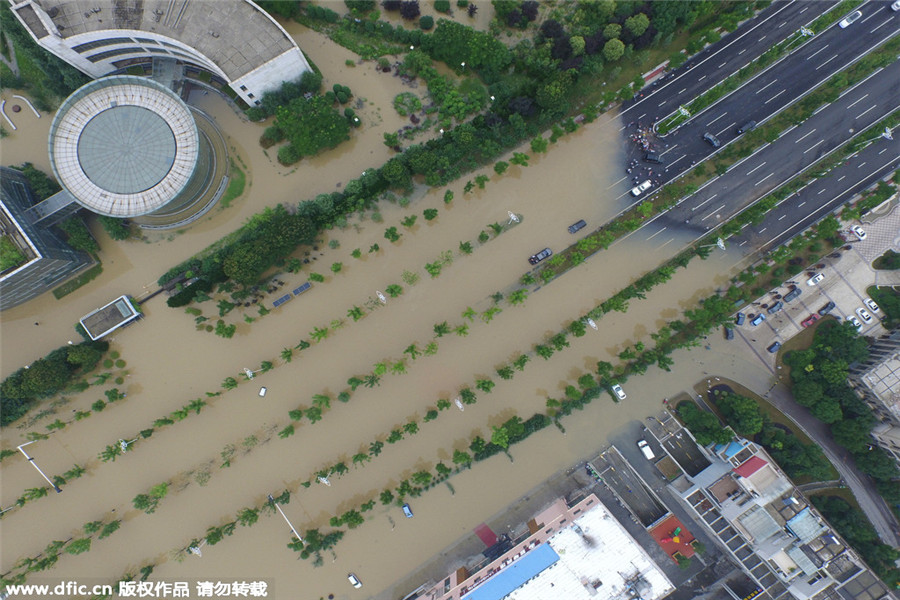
{"x":640,"y":188}
{"x":815,"y":279}
{"x":711,"y":140}
{"x":729,"y":332}
{"x":653,"y":157}
{"x":618,"y":391}
{"x":793,"y":294}
{"x":775,"y":307}
{"x":868,"y":301}
{"x":864,"y":315}
{"x":748,"y":126}
{"x":757,"y":319}
{"x":895,"y":6}
{"x":646,"y":450}
{"x":354,"y":580}
{"x":775,"y":347}
{"x":855,"y":322}
{"x":827,"y":308}
{"x":575,"y":227}
{"x":536,"y":258}
{"x":810,"y":319}
{"x":407,"y":511}
{"x":859,"y":232}
{"x":739,"y":319}
{"x":850,"y":19}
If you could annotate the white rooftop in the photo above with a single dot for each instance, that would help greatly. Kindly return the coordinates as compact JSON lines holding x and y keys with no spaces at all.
{"x":603,"y":553}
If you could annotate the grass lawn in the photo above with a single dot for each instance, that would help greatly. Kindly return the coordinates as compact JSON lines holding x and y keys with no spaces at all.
{"x":801,"y":341}
{"x":842,"y":493}
{"x":235,"y":185}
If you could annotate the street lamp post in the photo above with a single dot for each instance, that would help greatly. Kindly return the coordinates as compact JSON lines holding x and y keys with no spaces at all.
{"x":34,"y":464}
{"x":294,"y":531}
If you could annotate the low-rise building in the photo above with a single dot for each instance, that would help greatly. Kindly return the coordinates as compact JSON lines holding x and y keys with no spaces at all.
{"x":577,"y":552}
{"x":772,"y":531}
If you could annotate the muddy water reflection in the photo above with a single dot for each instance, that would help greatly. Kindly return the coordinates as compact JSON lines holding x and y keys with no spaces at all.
{"x":169,"y":363}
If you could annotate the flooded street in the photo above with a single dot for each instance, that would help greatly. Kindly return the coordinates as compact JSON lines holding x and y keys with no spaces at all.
{"x":170,"y":363}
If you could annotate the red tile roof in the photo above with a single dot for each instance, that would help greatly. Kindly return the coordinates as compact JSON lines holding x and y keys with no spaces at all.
{"x":750,"y":467}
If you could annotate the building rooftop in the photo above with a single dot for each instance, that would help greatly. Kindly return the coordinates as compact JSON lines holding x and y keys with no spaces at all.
{"x":884,"y":381}
{"x":750,"y":467}
{"x":236,"y":35}
{"x":107,"y":319}
{"x":124,"y":146}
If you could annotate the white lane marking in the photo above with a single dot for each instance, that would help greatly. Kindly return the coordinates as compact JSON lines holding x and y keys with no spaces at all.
{"x":617,"y":183}
{"x":716,"y":119}
{"x":763,"y":179}
{"x":782,"y":217}
{"x":656,"y":234}
{"x":642,"y":116}
{"x":682,"y":91}
{"x":704,"y":202}
{"x":677,"y":159}
{"x":808,"y":134}
{"x":723,"y":64}
{"x":860,"y":166}
{"x":826,"y":62}
{"x":727,"y":127}
{"x":742,"y":51}
{"x":765,"y":86}
{"x":773,"y":97}
{"x":841,"y":177}
{"x":668,"y":150}
{"x":880,"y":26}
{"x":858,"y":101}
{"x":803,"y":11}
{"x":763,"y":229}
{"x":782,"y":25}
{"x":713,"y":213}
{"x":882,"y":152}
{"x":820,"y":192}
{"x":813,"y":146}
{"x":801,"y":204}
{"x":701,"y":78}
{"x":821,"y":108}
{"x":760,"y":166}
{"x":666,"y":243}
{"x":663,"y":102}
{"x":869,"y":17}
{"x":867,"y":110}
{"x":816,"y":52}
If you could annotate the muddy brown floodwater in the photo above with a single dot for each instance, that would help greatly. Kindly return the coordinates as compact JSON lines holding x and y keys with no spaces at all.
{"x":169,"y":363}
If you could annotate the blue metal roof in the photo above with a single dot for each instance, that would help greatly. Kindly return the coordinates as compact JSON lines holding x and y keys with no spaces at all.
{"x":515,"y":575}
{"x":733,"y":448}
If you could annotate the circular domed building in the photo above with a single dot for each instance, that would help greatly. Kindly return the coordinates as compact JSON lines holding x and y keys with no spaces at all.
{"x":128,"y":147}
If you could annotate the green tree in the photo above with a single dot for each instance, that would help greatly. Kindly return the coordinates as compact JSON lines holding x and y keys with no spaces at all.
{"x":248,"y":516}
{"x":461,"y":458}
{"x":311,"y":125}
{"x":485,"y":385}
{"x":500,"y":436}
{"x":78,"y":546}
{"x":741,"y":413}
{"x":613,"y":50}
{"x":637,"y":24}
{"x":109,"y":529}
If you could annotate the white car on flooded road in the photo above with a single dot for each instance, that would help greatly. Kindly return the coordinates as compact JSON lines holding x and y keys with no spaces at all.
{"x":640,"y":188}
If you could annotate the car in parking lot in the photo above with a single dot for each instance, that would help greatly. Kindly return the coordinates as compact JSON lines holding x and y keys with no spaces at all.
{"x":775,"y":347}
{"x":855,"y":322}
{"x":859,"y":232}
{"x":536,"y":258}
{"x":868,"y":301}
{"x":793,"y":294}
{"x":729,"y":332}
{"x":850,"y":19}
{"x":640,"y":188}
{"x":354,"y":580}
{"x":775,"y":307}
{"x":407,"y":511}
{"x":810,"y":319}
{"x":827,"y":308}
{"x":757,"y":319}
{"x":815,"y":279}
{"x":739,"y":319}
{"x":864,"y":315}
{"x":646,"y":450}
{"x":575,"y":227}
{"x":711,"y":140}
{"x":618,"y":391}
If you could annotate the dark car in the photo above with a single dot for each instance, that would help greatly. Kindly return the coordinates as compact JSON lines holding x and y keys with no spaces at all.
{"x":775,"y":307}
{"x":793,"y":294}
{"x":653,"y":157}
{"x":711,"y":140}
{"x":535,"y":259}
{"x":826,"y":309}
{"x":748,"y":126}
{"x":739,"y":319}
{"x":774,"y":347}
{"x":729,"y":332}
{"x":574,"y":227}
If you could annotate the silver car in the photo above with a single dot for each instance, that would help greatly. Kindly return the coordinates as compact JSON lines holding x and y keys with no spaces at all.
{"x":864,"y":315}
{"x":619,"y":392}
{"x":850,"y":19}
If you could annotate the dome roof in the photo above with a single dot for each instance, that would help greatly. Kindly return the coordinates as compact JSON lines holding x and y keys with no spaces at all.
{"x":124,"y":146}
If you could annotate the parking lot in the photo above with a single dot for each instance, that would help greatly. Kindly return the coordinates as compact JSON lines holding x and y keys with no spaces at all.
{"x":835,"y":286}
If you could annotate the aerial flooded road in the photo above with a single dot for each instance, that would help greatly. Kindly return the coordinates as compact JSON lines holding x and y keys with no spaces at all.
{"x":170,"y":363}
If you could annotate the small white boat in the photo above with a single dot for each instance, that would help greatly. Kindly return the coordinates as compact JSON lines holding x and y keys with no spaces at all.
{"x":592,"y":324}
{"x":459,"y":404}
{"x":325,"y":481}
{"x":381,"y":297}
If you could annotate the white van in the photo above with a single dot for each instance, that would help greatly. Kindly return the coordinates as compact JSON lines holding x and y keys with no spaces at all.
{"x":645,"y":449}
